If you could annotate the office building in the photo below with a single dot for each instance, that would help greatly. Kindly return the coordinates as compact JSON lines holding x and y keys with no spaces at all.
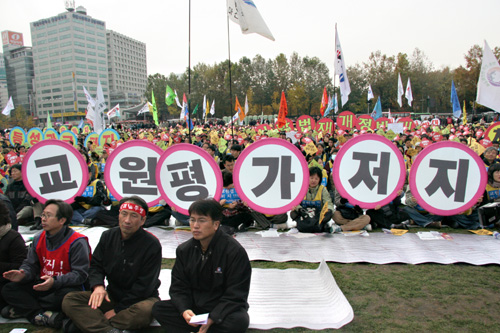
{"x":127,"y":69}
{"x":18,"y":61}
{"x":69,"y":52}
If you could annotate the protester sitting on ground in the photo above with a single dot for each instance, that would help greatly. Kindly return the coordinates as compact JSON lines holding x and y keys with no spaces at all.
{"x":26,"y":208}
{"x":348,"y":217}
{"x":418,"y":215}
{"x":492,"y":191}
{"x":468,"y":219}
{"x":12,"y":211}
{"x":129,"y":259}
{"x":388,"y":215}
{"x":315,"y":211}
{"x":85,"y":208}
{"x":236,"y":214}
{"x":57,"y":263}
{"x":211,"y":275}
{"x":12,"y":248}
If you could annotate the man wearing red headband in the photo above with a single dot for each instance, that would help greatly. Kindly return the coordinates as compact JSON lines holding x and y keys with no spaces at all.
{"x":130,"y":259}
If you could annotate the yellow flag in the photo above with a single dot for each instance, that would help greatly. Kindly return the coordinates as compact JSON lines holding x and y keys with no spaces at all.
{"x":464,"y":119}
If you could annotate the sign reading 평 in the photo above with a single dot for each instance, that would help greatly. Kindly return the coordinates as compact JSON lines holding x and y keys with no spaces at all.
{"x":186,"y":173}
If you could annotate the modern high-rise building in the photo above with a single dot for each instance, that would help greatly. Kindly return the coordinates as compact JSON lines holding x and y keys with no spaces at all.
{"x":127,"y":69}
{"x":4,"y":93}
{"x":69,"y":52}
{"x":18,"y":60}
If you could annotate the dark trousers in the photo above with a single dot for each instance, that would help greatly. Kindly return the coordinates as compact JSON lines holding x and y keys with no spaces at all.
{"x":76,"y":307}
{"x":30,"y":302}
{"x":168,"y":316}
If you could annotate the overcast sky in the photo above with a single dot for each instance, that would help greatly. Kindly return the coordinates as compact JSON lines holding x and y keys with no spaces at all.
{"x":443,"y":30}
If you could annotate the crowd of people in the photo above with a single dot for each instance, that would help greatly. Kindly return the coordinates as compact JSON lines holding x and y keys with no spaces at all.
{"x":60,"y":281}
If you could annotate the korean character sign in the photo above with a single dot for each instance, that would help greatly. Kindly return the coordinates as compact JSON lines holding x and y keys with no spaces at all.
{"x":271,"y":175}
{"x":53,"y":169}
{"x":69,"y":137}
{"x":447,"y":178}
{"x":131,"y":170}
{"x":35,"y":135}
{"x":50,"y":134}
{"x":186,"y":173}
{"x":17,"y":136}
{"x":369,"y":170}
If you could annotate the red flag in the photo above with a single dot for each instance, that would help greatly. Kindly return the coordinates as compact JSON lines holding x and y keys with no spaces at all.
{"x":283,"y":111}
{"x":324,"y":102}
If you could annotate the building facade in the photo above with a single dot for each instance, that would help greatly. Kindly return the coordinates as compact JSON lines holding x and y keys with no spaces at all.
{"x":127,"y":69}
{"x":19,"y":71}
{"x":69,"y":52}
{"x":4,"y":93}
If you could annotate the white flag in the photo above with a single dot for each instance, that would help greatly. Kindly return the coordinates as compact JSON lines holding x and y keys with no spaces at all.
{"x":114,"y":112}
{"x":401,"y":91}
{"x":144,"y":109}
{"x":408,"y":93}
{"x":340,"y":70}
{"x":177,"y":99}
{"x":89,"y":97}
{"x":370,"y":92}
{"x":204,"y":106}
{"x":9,"y":107}
{"x":245,"y":13}
{"x":100,"y":106}
{"x":488,"y":86}
{"x":212,"y":108}
{"x":90,"y":113}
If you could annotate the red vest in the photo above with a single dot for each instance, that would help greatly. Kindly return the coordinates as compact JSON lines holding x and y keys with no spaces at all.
{"x":55,"y":262}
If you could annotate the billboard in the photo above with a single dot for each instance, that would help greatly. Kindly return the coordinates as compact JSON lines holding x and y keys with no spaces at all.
{"x":12,"y":38}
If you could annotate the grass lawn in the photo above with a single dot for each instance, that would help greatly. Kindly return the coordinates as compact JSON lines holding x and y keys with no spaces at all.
{"x":400,"y":297}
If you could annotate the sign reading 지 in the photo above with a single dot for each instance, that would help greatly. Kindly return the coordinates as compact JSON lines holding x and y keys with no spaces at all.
{"x":447,"y":178}
{"x":271,"y":176}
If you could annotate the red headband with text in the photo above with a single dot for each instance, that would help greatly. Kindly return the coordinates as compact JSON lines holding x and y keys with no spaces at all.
{"x":133,"y":207}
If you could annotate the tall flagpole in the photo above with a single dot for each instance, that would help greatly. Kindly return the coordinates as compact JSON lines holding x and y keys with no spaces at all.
{"x":230,"y":80}
{"x":188,"y":122}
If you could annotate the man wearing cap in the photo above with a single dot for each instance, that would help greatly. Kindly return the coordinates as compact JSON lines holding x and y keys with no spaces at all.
{"x":129,"y":258}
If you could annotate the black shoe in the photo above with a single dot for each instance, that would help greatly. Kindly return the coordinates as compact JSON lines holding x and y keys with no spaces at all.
{"x":10,"y":313}
{"x":37,"y":225}
{"x":49,"y":318}
{"x":400,"y":226}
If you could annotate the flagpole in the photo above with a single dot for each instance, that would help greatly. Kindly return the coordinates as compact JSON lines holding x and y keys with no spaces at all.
{"x":230,"y":80}
{"x":189,"y":76}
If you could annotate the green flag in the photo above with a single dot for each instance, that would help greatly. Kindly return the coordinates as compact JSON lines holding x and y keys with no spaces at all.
{"x":49,"y":122}
{"x":195,"y":109}
{"x":169,"y":96}
{"x":155,"y":111}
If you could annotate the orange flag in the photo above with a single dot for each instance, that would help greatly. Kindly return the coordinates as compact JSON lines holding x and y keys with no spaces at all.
{"x":324,"y":102}
{"x":239,"y":111}
{"x":283,"y":111}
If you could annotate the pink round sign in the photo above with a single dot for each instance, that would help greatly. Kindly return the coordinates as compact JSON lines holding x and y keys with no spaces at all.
{"x":53,"y":169}
{"x":186,"y":173}
{"x":131,"y":170}
{"x":271,"y":176}
{"x":369,"y":170}
{"x":447,"y":178}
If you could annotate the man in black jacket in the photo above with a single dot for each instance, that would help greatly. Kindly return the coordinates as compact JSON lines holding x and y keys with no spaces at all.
{"x":211,"y":275}
{"x":130,"y":259}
